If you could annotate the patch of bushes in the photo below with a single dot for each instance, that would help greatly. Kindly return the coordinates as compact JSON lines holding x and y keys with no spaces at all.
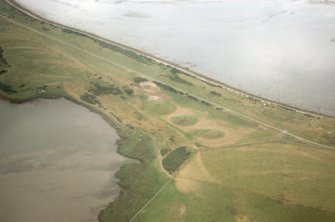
{"x":89,"y":98}
{"x":193,"y":98}
{"x":7,"y":88}
{"x":176,"y":158}
{"x":214,"y":93}
{"x":3,"y":62}
{"x":98,"y":89}
{"x":128,"y":91}
{"x":254,"y":99}
{"x":115,"y":48}
{"x":139,"y":79}
{"x":126,"y":52}
{"x":69,"y":31}
{"x":206,"y":103}
{"x":212,"y":84}
{"x":166,"y":87}
{"x":287,"y":108}
{"x":175,"y":77}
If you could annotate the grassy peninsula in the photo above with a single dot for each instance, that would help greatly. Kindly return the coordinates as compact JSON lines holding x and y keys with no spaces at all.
{"x":206,"y":152}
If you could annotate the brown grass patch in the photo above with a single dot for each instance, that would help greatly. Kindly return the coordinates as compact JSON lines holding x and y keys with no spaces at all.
{"x":193,"y":171}
{"x":75,"y":89}
{"x":182,"y":210}
{"x":242,"y":218}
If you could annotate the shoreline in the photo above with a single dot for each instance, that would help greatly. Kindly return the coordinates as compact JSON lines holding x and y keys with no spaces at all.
{"x":183,"y":70}
{"x":112,"y":122}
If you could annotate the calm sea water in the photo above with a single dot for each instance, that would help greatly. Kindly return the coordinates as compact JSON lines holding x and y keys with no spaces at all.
{"x":283,"y":50}
{"x":57,"y":162}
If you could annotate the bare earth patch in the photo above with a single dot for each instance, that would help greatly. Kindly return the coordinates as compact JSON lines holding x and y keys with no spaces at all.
{"x":155,"y":98}
{"x":149,"y":87}
{"x":182,"y":210}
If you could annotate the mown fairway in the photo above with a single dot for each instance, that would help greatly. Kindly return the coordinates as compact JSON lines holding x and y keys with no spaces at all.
{"x":234,"y":169}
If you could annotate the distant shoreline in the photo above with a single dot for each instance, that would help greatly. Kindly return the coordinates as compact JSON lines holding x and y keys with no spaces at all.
{"x":184,"y":70}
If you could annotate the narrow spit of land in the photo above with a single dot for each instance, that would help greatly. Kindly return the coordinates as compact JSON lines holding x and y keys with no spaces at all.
{"x":227,"y":153}
{"x":127,"y":69}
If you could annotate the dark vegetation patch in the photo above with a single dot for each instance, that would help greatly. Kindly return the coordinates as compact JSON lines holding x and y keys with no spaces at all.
{"x":287,"y":108}
{"x":131,"y":54}
{"x":176,"y":158}
{"x":99,"y":89}
{"x":168,"y":88}
{"x":89,"y":98}
{"x":171,"y":89}
{"x":139,"y":79}
{"x":193,"y":98}
{"x":175,"y":77}
{"x":128,"y":91}
{"x":214,"y":93}
{"x":206,"y":103}
{"x":211,"y":84}
{"x":126,"y":52}
{"x":7,"y":88}
{"x":69,"y":31}
{"x":253,"y":99}
{"x":3,"y":62}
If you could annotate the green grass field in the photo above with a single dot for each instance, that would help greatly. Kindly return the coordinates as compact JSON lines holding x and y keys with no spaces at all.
{"x":234,"y":168}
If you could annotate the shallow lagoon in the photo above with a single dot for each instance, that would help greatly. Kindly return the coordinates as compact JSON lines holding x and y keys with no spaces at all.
{"x":282,"y":50}
{"x":57,"y":162}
